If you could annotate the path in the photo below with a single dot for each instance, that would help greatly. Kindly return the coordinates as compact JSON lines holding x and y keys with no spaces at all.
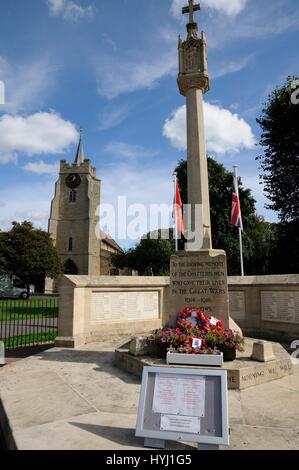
{"x":78,"y":399}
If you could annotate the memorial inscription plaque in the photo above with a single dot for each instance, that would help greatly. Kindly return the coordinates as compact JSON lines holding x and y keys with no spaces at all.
{"x":280,"y":306}
{"x":237,"y":305}
{"x":120,"y":306}
{"x":199,"y":279}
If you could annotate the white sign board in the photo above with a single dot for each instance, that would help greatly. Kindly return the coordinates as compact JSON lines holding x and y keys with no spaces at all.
{"x":179,"y":395}
{"x":183,"y":404}
{"x":180,"y":423}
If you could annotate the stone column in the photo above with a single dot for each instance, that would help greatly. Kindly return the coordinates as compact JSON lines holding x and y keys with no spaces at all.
{"x":198,"y":189}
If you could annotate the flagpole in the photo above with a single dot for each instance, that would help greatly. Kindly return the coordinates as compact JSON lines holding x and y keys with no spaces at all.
{"x":241,"y":252}
{"x":175,"y":215}
{"x":240,"y":229}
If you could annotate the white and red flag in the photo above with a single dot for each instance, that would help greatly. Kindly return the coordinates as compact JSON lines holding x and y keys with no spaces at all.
{"x":236,"y":216}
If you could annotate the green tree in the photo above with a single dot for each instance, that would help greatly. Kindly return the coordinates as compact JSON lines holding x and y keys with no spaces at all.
{"x":261,"y":240}
{"x":280,"y":171}
{"x":29,"y":253}
{"x":149,"y":257}
{"x":280,"y":160}
{"x":3,"y":267}
{"x":285,"y":253}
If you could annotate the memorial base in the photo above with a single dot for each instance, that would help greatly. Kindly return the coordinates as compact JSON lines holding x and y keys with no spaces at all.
{"x":241,"y":373}
{"x":199,"y":279}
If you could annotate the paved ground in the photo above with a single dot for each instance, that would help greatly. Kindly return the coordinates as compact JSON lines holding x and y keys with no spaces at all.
{"x":77,"y":399}
{"x":14,"y":355}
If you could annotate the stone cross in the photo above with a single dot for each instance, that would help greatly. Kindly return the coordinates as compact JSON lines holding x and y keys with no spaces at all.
{"x":191,"y":9}
{"x":198,"y":275}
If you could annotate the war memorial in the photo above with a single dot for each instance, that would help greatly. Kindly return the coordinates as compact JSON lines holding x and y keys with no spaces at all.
{"x":85,"y":392}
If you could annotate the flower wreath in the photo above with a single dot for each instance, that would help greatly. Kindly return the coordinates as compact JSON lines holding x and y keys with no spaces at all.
{"x":194,"y":317}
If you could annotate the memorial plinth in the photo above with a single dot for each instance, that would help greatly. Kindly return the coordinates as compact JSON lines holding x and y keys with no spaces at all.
{"x":199,"y":279}
{"x":242,"y":373}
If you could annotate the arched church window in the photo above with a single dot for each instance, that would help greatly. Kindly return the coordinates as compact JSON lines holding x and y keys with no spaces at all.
{"x":70,"y":267}
{"x":73,"y":196}
{"x":70,"y":244}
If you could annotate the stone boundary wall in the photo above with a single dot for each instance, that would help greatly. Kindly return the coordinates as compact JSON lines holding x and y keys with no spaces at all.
{"x":93,"y":308}
{"x":266,"y":306}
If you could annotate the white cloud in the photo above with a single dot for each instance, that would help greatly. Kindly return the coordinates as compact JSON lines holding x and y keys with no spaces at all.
{"x":37,"y":134}
{"x":131,"y":151}
{"x":263,"y":20}
{"x":229,"y":67}
{"x":42,"y":168}
{"x":230,"y":21}
{"x":225,"y":131}
{"x":229,"y":7}
{"x":22,"y":203}
{"x":70,"y":10}
{"x":6,"y":158}
{"x":26,"y":85}
{"x":125,"y":75}
{"x":112,"y":117}
{"x":35,"y":216}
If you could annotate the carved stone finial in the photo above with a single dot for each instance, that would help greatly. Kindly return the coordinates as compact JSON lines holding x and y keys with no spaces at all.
{"x":193,"y":66}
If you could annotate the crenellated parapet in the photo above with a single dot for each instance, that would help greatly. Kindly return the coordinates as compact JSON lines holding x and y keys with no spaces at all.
{"x":84,"y":167}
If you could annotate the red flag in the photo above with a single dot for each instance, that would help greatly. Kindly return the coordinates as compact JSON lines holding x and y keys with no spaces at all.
{"x":178,"y":211}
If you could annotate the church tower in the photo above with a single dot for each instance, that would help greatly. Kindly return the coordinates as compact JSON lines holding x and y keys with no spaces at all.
{"x":74,"y":219}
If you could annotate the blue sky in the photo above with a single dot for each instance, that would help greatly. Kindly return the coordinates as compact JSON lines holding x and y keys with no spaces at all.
{"x":111,"y":67}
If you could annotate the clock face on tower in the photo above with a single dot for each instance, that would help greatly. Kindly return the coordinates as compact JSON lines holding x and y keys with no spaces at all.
{"x":73,"y":180}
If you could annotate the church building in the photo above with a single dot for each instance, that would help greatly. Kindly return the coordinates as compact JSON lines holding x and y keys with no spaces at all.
{"x":74,"y":220}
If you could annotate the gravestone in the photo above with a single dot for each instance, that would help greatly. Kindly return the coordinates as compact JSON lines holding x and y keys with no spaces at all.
{"x":198,"y":276}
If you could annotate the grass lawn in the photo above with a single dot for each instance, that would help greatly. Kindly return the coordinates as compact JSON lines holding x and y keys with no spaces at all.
{"x":30,"y":339}
{"x":28,"y":309}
